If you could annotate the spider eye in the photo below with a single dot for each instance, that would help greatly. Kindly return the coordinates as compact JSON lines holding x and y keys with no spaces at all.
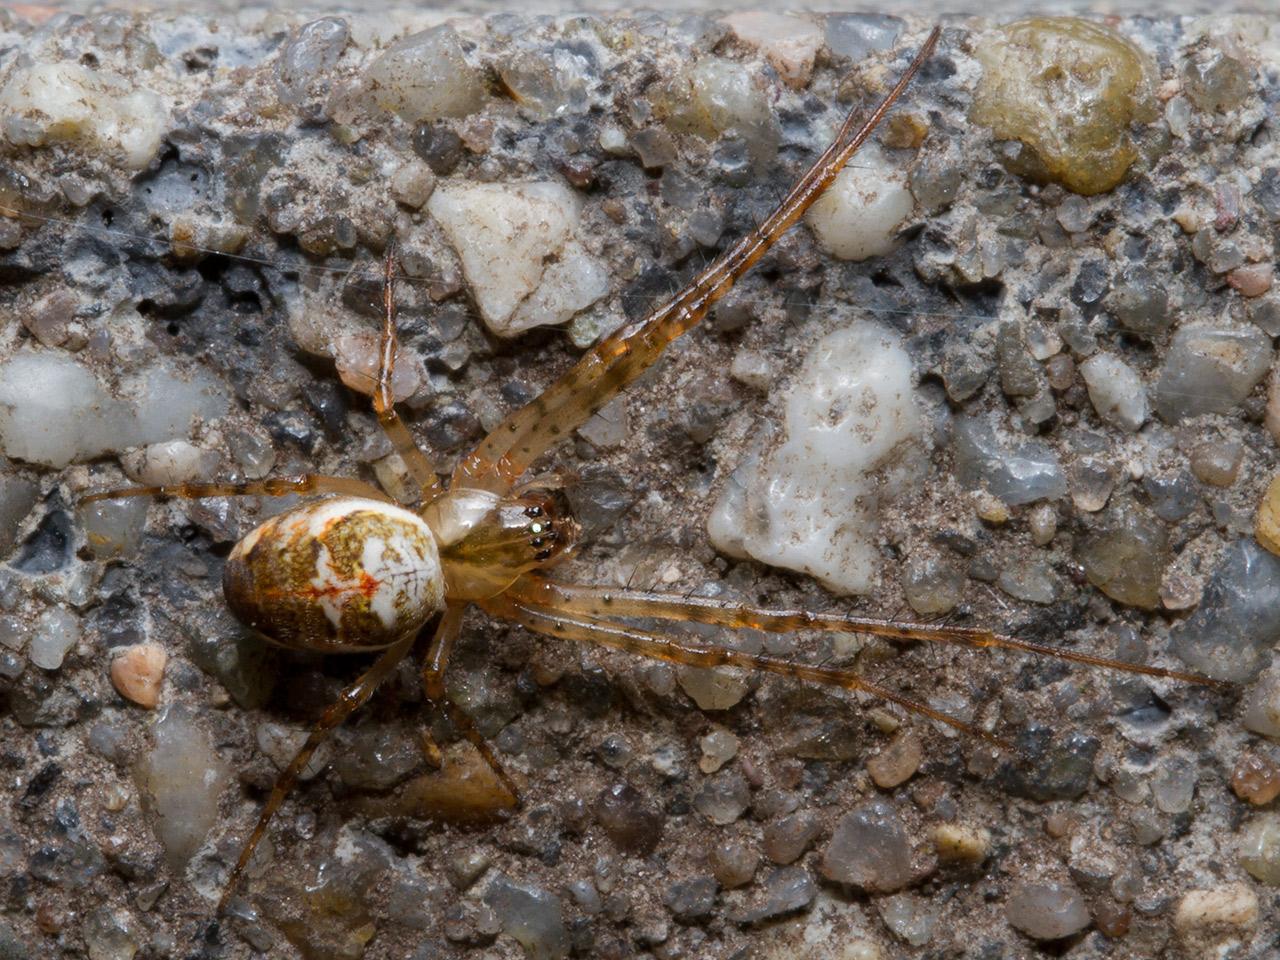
{"x":536,"y":528}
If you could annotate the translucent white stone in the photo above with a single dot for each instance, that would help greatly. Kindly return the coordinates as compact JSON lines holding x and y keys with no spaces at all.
{"x":171,"y":461}
{"x":66,"y":102}
{"x":182,"y":778}
{"x":56,"y":632}
{"x":54,"y":411}
{"x":789,"y":43}
{"x":812,"y":503}
{"x":113,"y":528}
{"x":424,"y":77}
{"x":518,"y":253}
{"x":859,"y":215}
{"x":1116,"y":391}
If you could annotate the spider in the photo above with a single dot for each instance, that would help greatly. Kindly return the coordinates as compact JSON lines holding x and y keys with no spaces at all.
{"x":354,"y":572}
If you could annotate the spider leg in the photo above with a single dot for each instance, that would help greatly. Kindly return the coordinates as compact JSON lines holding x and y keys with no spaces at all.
{"x":347,"y":703}
{"x":499,"y":460}
{"x":418,"y":463}
{"x":434,"y":665}
{"x":555,"y":623}
{"x":606,"y":603}
{"x":270,"y":487}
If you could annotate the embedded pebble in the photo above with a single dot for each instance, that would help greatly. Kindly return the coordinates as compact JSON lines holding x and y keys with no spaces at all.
{"x":280,"y":744}
{"x":425,"y":76}
{"x":112,"y":934}
{"x":54,"y":411}
{"x":1252,"y":280}
{"x":1140,"y":301}
{"x":1259,"y":846}
{"x":182,"y":778}
{"x":859,"y":215}
{"x":1047,"y":911}
{"x":1173,"y":786}
{"x":786,"y":840}
{"x":518,"y":252}
{"x":113,"y":528}
{"x":897,"y":762}
{"x":692,"y":900}
{"x":1210,"y":369}
{"x":1126,"y":557}
{"x":66,"y":102}
{"x":718,"y":748}
{"x":138,"y":671}
{"x":1016,"y":472}
{"x":56,"y":632}
{"x":714,"y":96}
{"x":1116,"y":391}
{"x":1216,"y":82}
{"x":1042,"y":521}
{"x":1068,"y":90}
{"x":533,"y":916}
{"x":789,"y":43}
{"x":852,"y":415}
{"x":961,"y":843}
{"x":1262,"y":705}
{"x":412,"y":184}
{"x":912,"y":918}
{"x":1030,"y":582}
{"x":17,"y":497}
{"x":170,"y":462}
{"x":718,"y":688}
{"x":357,"y":357}
{"x":932,"y":585}
{"x":1232,"y":632}
{"x":1218,"y":463}
{"x":733,"y":863}
{"x":1256,"y":779}
{"x":1266,"y":525}
{"x":1229,"y":910}
{"x":786,"y":890}
{"x":723,"y":798}
{"x":869,"y":850}
{"x":630,"y":821}
{"x":309,"y":55}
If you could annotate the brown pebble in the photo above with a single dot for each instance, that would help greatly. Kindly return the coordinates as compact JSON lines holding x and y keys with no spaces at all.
{"x":1058,"y":824}
{"x":464,"y":790}
{"x":733,"y":863}
{"x":138,"y":671}
{"x":897,"y":762}
{"x":1251,"y":280}
{"x":1256,"y":778}
{"x":904,"y":131}
{"x":1112,"y":918}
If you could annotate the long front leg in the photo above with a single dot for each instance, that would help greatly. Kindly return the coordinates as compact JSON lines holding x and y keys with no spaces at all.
{"x":434,"y":665}
{"x":350,"y":700}
{"x":419,"y":465}
{"x":300,"y":484}
{"x":606,"y":603}
{"x":557,"y":623}
{"x":626,"y":353}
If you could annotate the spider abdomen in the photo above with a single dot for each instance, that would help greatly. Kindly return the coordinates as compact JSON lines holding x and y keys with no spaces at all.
{"x":342,"y":574}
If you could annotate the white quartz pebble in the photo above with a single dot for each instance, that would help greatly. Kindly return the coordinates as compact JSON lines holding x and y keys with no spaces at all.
{"x":812,"y":503}
{"x":519,"y":256}
{"x":859,"y":215}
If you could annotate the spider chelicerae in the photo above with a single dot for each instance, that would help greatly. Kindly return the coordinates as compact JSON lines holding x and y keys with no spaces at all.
{"x":353,"y":571}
